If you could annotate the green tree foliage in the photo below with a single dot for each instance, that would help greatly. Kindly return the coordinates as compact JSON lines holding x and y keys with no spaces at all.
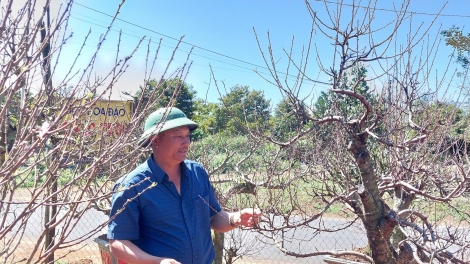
{"x":453,"y":117}
{"x":204,"y":115}
{"x":322,"y":104}
{"x":288,"y":118}
{"x":10,"y":126}
{"x":456,"y":38}
{"x":242,"y":108}
{"x":166,"y":92}
{"x":444,"y":114}
{"x":353,"y":80}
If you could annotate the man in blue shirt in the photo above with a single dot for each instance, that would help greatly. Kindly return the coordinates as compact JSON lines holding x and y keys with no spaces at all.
{"x":162,"y":211}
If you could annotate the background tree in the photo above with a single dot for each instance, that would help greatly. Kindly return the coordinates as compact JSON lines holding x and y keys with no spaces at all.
{"x":286,"y":120}
{"x":174,"y":92}
{"x":353,"y":79}
{"x":10,"y":126}
{"x":204,"y":115}
{"x":241,"y":108}
{"x":455,"y":37}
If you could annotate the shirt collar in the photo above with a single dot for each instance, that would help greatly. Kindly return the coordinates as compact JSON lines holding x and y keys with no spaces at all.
{"x":159,"y":174}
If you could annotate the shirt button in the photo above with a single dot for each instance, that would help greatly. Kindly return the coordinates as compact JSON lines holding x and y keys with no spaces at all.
{"x":195,"y":256}
{"x":187,"y":218}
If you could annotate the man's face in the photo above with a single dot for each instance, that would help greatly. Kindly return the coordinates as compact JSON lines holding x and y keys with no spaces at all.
{"x":173,"y":145}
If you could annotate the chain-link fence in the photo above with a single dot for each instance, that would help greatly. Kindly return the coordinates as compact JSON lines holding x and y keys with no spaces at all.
{"x":294,"y":245}
{"x":77,"y":247}
{"x":251,"y":246}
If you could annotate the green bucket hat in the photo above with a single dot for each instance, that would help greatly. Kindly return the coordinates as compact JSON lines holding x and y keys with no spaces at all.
{"x":164,"y":119}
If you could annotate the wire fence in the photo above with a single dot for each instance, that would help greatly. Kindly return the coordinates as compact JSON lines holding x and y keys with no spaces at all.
{"x":252,"y":246}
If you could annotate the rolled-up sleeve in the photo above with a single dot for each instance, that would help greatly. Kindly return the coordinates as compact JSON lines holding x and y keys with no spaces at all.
{"x":213,"y":201}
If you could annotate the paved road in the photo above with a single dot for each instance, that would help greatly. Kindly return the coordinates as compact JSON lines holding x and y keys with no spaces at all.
{"x":303,"y":240}
{"x":256,"y":247}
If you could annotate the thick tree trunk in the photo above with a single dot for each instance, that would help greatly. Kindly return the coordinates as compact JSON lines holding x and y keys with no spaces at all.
{"x":218,"y":240}
{"x":401,"y":201}
{"x":377,"y":220}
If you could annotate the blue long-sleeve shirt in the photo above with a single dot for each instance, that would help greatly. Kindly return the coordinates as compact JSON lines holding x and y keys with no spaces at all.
{"x":159,"y":220}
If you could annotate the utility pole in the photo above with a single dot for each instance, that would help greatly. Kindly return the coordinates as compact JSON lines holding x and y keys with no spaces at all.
{"x":51,"y":209}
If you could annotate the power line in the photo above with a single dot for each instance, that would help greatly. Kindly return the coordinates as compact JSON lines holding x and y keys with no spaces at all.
{"x":195,"y":46}
{"x":144,"y":55}
{"x":166,"y":36}
{"x":193,"y":53}
{"x":394,"y":11}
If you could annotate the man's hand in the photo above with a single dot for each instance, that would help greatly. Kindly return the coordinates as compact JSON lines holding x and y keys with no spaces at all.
{"x":248,"y":217}
{"x":224,"y":221}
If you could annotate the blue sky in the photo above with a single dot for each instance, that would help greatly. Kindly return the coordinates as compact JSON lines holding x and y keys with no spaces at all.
{"x":226,"y":27}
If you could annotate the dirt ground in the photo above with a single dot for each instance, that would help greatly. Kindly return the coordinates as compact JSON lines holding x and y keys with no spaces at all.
{"x":79,"y":254}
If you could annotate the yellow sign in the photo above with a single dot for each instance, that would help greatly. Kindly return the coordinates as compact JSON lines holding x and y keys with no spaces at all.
{"x":108,"y":118}
{"x":103,"y":123}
